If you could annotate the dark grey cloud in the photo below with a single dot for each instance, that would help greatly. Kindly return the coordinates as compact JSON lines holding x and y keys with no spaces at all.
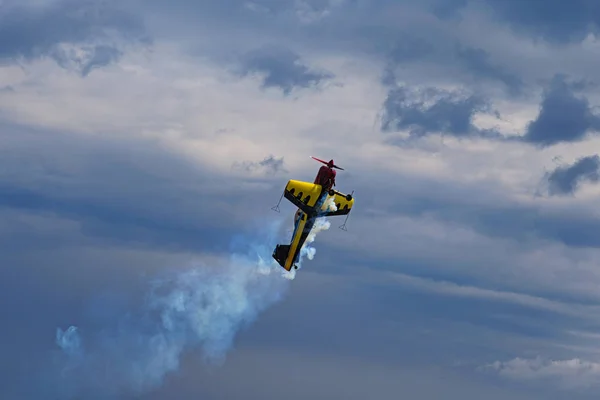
{"x":483,"y":207}
{"x":556,"y":21}
{"x":381,"y":293}
{"x":566,"y":179}
{"x":408,"y":47}
{"x":563,"y":117}
{"x":388,"y":31}
{"x":482,"y":238}
{"x":414,"y":55}
{"x":118,"y":191}
{"x":477,"y":62}
{"x":281,"y":68}
{"x":269,"y":165}
{"x":399,"y":345}
{"x":448,"y":8}
{"x":397,"y":30}
{"x":264,"y":14}
{"x":432,"y":111}
{"x":33,"y":31}
{"x":509,"y":219}
{"x":131,"y":194}
{"x":97,"y":56}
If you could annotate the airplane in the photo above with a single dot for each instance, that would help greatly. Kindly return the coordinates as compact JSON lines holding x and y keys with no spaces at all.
{"x":310,"y":199}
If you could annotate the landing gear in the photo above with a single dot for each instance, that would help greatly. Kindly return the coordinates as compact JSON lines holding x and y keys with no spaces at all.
{"x":276,"y":206}
{"x":333,"y":192}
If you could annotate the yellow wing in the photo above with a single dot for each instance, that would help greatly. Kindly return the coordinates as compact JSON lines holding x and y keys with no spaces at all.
{"x":343,"y":204}
{"x":303,"y":195}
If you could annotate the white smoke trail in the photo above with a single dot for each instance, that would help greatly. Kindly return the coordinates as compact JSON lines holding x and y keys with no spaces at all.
{"x":202,"y":307}
{"x":321,"y":224}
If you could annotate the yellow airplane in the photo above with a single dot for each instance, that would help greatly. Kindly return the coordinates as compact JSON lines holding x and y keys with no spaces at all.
{"x":312,"y":200}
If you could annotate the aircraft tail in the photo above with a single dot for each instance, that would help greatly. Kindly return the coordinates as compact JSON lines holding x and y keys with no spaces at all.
{"x":280,"y":254}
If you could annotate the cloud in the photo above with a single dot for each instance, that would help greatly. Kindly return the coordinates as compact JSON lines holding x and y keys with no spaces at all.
{"x":483,"y":294}
{"x":554,"y":21}
{"x":499,"y":216}
{"x":269,"y":165}
{"x":562,"y":117}
{"x":433,"y":111}
{"x":477,"y":62}
{"x":149,"y":168}
{"x":281,"y":68}
{"x":62,"y":29}
{"x":567,"y":374}
{"x":87,"y":58}
{"x":310,"y":11}
{"x":566,"y":179}
{"x":440,"y":58}
{"x":123,"y":190}
{"x":408,"y":47}
{"x":483,"y":234}
{"x":319,"y":375}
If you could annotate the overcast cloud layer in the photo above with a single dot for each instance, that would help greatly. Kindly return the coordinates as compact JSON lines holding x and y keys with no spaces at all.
{"x":143,"y":143}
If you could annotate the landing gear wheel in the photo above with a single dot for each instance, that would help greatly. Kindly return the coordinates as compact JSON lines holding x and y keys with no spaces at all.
{"x":331,"y":192}
{"x":348,"y":197}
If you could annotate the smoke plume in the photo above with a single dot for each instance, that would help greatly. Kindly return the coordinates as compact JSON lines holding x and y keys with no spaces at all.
{"x":200,"y":308}
{"x":321,"y":224}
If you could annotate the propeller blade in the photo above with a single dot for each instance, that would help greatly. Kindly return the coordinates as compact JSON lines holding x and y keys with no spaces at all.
{"x":325,"y":162}
{"x":315,"y":158}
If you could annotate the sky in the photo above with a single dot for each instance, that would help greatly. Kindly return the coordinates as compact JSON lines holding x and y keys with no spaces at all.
{"x":143,"y":144}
